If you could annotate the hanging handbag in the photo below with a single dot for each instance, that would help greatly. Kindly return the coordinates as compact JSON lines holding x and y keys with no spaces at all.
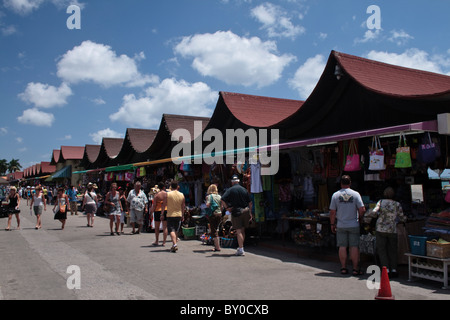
{"x":403,"y":156}
{"x":353,"y":160}
{"x":376,"y":156}
{"x":427,"y":151}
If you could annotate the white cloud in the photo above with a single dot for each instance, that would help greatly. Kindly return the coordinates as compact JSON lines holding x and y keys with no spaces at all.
{"x":46,"y":96}
{"x":98,"y":136}
{"x":307,"y":76}
{"x":3,"y":131}
{"x":369,"y":35}
{"x":24,"y":7}
{"x":37,"y":118}
{"x":233,"y":59}
{"x":19,"y":139}
{"x":98,"y":101}
{"x":9,"y":30}
{"x":400,"y":37}
{"x":413,"y":58}
{"x":276,"y":21}
{"x":171,"y":97}
{"x":98,"y":63}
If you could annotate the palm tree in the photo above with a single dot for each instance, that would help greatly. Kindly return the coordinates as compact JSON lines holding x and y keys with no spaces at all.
{"x":3,"y":166}
{"x":14,"y":165}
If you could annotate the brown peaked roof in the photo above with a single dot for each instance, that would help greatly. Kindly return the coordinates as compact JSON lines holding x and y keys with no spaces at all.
{"x":109,"y":150}
{"x":140,"y":139}
{"x":162,"y":145}
{"x":393,"y":80}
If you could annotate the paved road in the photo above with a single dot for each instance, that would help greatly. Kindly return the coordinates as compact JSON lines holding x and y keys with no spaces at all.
{"x":34,"y":265}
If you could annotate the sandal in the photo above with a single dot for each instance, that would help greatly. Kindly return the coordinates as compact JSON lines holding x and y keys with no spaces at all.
{"x":344,"y":271}
{"x":357,"y":272}
{"x":216,"y":250}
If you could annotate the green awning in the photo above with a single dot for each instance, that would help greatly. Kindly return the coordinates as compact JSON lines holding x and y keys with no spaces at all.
{"x":65,"y":172}
{"x":127,"y":167}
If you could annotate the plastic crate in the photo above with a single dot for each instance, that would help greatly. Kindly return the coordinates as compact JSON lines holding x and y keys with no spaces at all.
{"x":418,"y":245}
{"x":189,"y":233}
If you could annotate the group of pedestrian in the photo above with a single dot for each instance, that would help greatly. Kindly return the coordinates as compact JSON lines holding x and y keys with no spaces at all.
{"x":346,"y":213}
{"x":168,"y":206}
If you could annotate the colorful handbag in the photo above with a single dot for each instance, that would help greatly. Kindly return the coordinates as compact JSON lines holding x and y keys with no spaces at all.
{"x":403,"y":156}
{"x":353,"y":162}
{"x":427,"y":151}
{"x":376,"y":156}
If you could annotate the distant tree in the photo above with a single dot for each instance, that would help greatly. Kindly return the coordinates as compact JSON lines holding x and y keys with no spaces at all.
{"x":3,"y":166}
{"x":14,"y":165}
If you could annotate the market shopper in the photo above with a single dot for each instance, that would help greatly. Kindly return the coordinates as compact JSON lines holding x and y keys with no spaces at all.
{"x":236,"y":200}
{"x":72,"y":193}
{"x":175,"y":203}
{"x":38,"y":204}
{"x":90,"y":204}
{"x":214,"y":204}
{"x":347,"y":208}
{"x":137,"y":204}
{"x":61,"y":207}
{"x":13,"y":200}
{"x":125,"y":212}
{"x":160,"y":214}
{"x":115,"y":211}
{"x":388,"y":213}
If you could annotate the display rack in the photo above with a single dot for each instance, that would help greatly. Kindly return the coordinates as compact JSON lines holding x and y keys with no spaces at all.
{"x":430,"y":268}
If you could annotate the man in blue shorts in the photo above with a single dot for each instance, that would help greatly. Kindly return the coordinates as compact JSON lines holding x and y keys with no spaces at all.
{"x":347,"y":208}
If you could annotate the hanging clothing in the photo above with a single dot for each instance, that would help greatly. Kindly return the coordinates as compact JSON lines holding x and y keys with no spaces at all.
{"x":256,"y":185}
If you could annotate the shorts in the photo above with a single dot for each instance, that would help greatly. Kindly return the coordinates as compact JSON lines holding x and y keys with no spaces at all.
{"x":173,"y":224}
{"x":38,"y":210}
{"x":136,"y":216}
{"x":90,"y":208}
{"x":347,"y":237}
{"x":157,"y":215}
{"x":242,"y":221}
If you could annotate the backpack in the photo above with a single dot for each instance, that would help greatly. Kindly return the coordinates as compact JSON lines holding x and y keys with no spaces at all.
{"x":212,"y":207}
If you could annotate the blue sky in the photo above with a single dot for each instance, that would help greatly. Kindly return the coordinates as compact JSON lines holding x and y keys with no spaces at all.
{"x":134,"y":60}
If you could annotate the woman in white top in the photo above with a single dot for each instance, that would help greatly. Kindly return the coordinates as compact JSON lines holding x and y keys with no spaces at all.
{"x":90,"y":204}
{"x":38,"y":204}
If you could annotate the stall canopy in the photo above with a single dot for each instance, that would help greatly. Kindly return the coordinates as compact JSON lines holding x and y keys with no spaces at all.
{"x":64,"y":173}
{"x":356,"y":94}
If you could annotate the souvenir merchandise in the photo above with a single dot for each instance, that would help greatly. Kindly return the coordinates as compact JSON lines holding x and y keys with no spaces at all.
{"x":427,"y":151}
{"x":403,"y":155}
{"x":376,"y":156}
{"x":353,"y":160}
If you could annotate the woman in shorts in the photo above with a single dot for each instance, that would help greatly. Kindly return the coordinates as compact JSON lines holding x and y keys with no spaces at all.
{"x":90,"y":204}
{"x":38,"y":204}
{"x":112,"y":201}
{"x":13,"y":207}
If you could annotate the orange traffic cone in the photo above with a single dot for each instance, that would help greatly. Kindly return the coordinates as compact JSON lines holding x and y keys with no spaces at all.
{"x":385,"y":288}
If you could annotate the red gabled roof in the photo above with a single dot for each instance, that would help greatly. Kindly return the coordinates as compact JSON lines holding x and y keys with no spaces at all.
{"x":46,"y":167}
{"x":71,"y":153}
{"x":257,"y":111}
{"x":173,"y":122}
{"x":393,"y":80}
{"x":55,"y":157}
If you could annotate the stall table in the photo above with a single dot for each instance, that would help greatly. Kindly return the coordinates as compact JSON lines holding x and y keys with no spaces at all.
{"x":430,"y":268}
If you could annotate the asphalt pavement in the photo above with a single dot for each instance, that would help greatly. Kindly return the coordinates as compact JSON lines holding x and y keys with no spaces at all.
{"x":83,"y":263}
